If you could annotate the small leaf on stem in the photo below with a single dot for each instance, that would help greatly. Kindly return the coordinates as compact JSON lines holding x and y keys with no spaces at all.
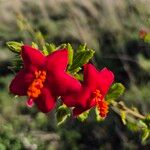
{"x":82,"y":117}
{"x":62,"y":114}
{"x":14,"y":46}
{"x":80,"y":58}
{"x":115,"y":91}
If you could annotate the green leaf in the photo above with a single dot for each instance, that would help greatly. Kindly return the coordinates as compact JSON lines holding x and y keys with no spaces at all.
{"x":62,"y":114}
{"x":98,"y":117}
{"x":82,"y":117}
{"x":14,"y":46}
{"x":70,"y":54}
{"x":132,"y":126}
{"x":50,"y":47}
{"x":45,"y":51}
{"x":80,"y":58}
{"x":147,"y":120}
{"x":39,"y":39}
{"x":17,"y":63}
{"x":123,"y":116}
{"x":115,"y":91}
{"x":82,"y":47}
{"x":147,"y":38}
{"x":142,"y":124}
{"x":144,"y":62}
{"x":78,"y":76}
{"x":34,"y":45}
{"x":62,"y":46}
{"x":145,"y":135}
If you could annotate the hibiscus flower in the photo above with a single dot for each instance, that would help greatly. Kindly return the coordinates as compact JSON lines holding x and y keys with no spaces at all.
{"x":43,"y":78}
{"x":94,"y":89}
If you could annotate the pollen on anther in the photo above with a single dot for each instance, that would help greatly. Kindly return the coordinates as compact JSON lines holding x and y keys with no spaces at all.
{"x":34,"y":89}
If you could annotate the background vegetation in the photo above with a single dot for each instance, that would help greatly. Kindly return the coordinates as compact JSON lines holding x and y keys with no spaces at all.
{"x":109,"y":27}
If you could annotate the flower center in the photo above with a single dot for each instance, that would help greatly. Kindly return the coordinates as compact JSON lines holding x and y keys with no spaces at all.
{"x":34,"y":89}
{"x":102,"y":105}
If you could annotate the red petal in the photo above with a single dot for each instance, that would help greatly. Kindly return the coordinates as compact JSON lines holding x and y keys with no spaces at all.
{"x":79,"y":109}
{"x":46,"y":101}
{"x":70,"y":100}
{"x":90,"y":76}
{"x":57,"y":60}
{"x":82,"y":99}
{"x":63,"y":84}
{"x":105,"y":79}
{"x":60,"y":82}
{"x":21,"y":82}
{"x":32,"y":56}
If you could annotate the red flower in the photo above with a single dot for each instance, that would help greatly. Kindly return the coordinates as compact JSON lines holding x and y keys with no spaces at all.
{"x":142,"y":33}
{"x":43,"y":78}
{"x":94,"y":88}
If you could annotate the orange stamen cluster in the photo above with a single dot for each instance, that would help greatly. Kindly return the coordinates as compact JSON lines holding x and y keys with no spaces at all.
{"x":101,"y":103}
{"x":34,"y":89}
{"x":103,"y":108}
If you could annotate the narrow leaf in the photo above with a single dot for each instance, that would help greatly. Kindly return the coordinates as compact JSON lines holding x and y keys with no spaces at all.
{"x":123,"y":117}
{"x":82,"y":117}
{"x":62,"y":46}
{"x":39,"y":38}
{"x":142,"y":124}
{"x":45,"y":51}
{"x":34,"y":45}
{"x":78,"y":76}
{"x":70,"y":53}
{"x":147,"y":38}
{"x":82,"y":47}
{"x":145,"y":135}
{"x":14,"y":46}
{"x":132,"y":126}
{"x":50,"y":47}
{"x":98,"y":117}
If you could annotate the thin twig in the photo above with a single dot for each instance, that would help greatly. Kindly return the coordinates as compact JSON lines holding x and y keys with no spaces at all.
{"x":121,"y":106}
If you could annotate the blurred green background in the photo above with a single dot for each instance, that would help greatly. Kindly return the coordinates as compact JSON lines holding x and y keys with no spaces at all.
{"x":109,"y":27}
